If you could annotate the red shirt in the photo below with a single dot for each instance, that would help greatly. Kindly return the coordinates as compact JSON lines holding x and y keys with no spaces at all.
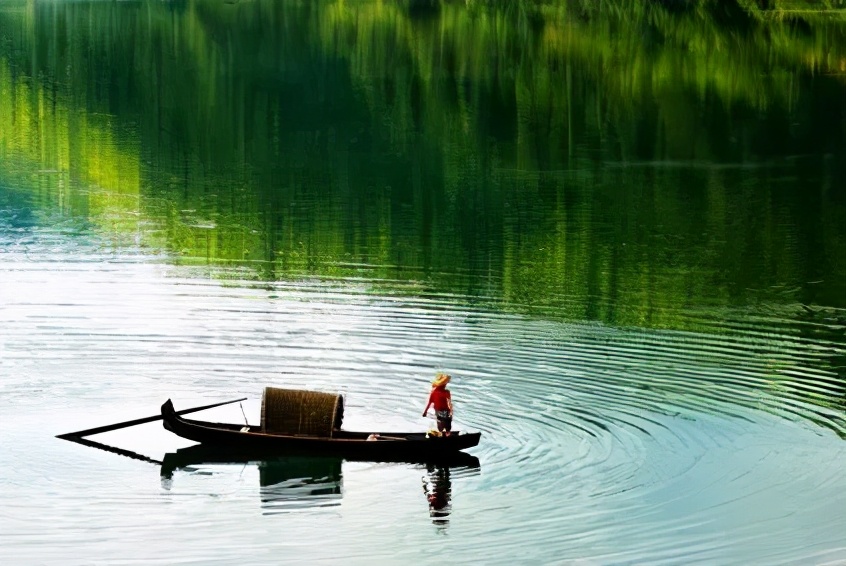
{"x":439,"y":397}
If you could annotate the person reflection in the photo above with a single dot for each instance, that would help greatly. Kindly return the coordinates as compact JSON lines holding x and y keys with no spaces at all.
{"x":438,"y":489}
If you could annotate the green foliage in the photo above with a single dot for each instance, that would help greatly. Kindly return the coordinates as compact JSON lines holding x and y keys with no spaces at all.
{"x":646,"y":164}
{"x":613,"y":160}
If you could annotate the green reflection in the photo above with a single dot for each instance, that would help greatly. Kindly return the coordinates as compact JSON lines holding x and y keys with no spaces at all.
{"x":626,"y":162}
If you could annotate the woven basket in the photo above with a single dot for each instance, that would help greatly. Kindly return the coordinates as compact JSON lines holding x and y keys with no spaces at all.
{"x":294,"y":411}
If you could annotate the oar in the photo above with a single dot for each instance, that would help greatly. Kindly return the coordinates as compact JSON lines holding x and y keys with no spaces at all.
{"x":107,"y":428}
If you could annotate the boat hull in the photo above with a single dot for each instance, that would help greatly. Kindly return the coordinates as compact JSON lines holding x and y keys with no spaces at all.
{"x":396,"y":446}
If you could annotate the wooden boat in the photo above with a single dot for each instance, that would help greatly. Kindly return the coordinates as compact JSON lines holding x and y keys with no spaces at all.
{"x":309,"y":423}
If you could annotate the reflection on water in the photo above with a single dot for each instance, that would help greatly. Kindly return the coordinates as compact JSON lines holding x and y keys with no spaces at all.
{"x":642,"y":435}
{"x":438,"y":489}
{"x":302,"y":481}
{"x":286,"y":482}
{"x":621,"y":224}
{"x":292,"y":482}
{"x":113,"y":449}
{"x":297,"y":483}
{"x":639,"y":189}
{"x":437,"y":486}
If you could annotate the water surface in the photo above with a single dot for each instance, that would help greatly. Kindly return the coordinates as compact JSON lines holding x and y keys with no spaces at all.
{"x":622,"y":230}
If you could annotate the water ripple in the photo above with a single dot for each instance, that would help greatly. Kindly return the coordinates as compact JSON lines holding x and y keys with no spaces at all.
{"x":612,"y":445}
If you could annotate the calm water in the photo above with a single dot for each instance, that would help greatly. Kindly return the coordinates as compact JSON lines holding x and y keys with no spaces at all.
{"x":622,"y":229}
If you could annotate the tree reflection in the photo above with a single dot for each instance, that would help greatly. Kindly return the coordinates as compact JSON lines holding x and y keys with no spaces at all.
{"x":629,"y":156}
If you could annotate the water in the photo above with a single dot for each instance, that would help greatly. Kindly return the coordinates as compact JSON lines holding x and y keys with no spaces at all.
{"x":632,"y":265}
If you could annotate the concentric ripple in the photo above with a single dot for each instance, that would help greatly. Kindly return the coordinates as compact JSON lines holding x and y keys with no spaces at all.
{"x":608,"y":445}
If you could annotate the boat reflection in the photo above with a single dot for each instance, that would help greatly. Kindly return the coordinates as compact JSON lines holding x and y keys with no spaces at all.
{"x":306,"y":480}
{"x":297,"y":481}
{"x":286,"y":482}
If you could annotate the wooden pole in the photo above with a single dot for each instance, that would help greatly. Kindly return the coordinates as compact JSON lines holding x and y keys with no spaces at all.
{"x":116,"y":426}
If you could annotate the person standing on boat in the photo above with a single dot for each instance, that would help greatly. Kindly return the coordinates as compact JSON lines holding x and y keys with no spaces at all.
{"x":441,"y":399}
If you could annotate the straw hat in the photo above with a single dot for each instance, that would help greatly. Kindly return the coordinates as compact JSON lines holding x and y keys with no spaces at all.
{"x":441,"y":380}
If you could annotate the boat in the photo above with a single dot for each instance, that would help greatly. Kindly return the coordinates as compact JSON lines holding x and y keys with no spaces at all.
{"x":309,"y":422}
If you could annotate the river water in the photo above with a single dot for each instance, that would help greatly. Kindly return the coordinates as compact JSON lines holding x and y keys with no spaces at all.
{"x":621,"y":230}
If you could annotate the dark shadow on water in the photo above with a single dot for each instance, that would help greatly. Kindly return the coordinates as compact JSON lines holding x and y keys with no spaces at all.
{"x":298,"y":481}
{"x":113,"y":449}
{"x":286,"y":482}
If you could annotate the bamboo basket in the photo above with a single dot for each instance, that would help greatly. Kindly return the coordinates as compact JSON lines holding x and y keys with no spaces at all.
{"x":301,"y":412}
